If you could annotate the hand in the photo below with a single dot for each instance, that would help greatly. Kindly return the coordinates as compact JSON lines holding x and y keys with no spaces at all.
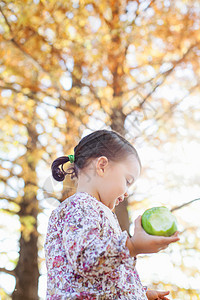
{"x":156,"y":295}
{"x":143,"y":242}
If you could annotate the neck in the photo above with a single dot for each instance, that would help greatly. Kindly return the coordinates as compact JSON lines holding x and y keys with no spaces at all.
{"x":88,"y":190}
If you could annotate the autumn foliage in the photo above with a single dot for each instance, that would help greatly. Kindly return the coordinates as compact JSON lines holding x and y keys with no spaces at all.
{"x":70,"y":66}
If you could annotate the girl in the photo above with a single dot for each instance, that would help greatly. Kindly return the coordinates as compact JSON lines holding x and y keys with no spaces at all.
{"x":87,"y":254}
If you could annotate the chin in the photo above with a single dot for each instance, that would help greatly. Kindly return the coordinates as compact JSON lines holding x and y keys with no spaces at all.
{"x":111,"y":207}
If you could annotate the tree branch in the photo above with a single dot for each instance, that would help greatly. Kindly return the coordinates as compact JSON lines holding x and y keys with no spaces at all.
{"x":185,"y":204}
{"x":177,"y":103}
{"x":11,"y":272}
{"x":6,"y":20}
{"x":10,"y":199}
{"x":9,"y":185}
{"x":6,"y":210}
{"x":96,"y":8}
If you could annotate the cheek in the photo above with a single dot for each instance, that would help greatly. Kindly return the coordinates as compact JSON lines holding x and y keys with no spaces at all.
{"x":116,"y":183}
{"x":120,"y":183}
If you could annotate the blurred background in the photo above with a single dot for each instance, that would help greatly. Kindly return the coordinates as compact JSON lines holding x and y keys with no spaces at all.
{"x":68,"y":68}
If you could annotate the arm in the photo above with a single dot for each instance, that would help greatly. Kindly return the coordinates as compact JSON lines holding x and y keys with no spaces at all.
{"x":141,"y":242}
{"x":129,"y":245}
{"x":91,"y":244}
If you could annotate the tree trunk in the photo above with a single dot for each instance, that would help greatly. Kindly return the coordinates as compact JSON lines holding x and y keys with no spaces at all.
{"x":123,"y":216}
{"x":26,"y":271}
{"x":121,"y":210}
{"x":116,"y":58}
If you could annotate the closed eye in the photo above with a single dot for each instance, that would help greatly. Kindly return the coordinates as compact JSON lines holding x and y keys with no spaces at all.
{"x":129,"y":183}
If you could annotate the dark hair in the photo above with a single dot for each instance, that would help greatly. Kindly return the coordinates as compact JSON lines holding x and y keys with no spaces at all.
{"x":103,"y":142}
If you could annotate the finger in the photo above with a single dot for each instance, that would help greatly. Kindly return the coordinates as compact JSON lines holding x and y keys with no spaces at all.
{"x":168,"y":240}
{"x":173,"y":239}
{"x":161,"y":294}
{"x":176,"y":234}
{"x":162,"y":248}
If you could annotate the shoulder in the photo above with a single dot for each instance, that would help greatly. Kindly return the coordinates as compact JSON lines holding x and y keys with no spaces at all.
{"x":85,"y":201}
{"x":78,"y":204}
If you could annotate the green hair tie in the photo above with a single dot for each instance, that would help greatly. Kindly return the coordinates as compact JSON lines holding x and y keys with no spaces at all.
{"x":71,"y":158}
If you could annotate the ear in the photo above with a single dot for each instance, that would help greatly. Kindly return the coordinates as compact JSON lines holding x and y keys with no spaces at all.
{"x":101,"y":165}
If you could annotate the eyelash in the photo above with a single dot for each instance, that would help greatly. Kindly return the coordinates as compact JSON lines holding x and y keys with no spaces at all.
{"x":127,"y":182}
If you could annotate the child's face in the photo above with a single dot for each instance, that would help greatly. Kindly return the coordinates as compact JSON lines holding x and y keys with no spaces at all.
{"x":116,"y":178}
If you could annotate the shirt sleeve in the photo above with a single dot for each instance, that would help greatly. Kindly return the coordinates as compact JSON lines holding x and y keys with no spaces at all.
{"x":145,"y":287}
{"x":91,"y":244}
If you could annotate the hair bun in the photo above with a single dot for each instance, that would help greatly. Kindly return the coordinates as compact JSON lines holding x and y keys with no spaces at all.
{"x":58,"y":174}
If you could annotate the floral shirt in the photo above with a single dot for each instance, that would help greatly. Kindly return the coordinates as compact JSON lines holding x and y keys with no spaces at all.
{"x":86,"y":255}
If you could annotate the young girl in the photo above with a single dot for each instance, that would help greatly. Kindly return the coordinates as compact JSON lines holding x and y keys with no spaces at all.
{"x":87,"y":254}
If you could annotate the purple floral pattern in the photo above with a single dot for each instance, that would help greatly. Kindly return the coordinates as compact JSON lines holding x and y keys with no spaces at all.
{"x":86,"y":256}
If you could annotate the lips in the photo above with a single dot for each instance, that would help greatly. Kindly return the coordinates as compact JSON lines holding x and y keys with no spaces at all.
{"x":120,"y":199}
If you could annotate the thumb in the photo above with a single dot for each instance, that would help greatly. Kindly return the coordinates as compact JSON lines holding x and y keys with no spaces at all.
{"x":138,"y":221}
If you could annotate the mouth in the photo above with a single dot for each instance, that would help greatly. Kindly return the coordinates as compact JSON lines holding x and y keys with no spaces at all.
{"x":120,"y":199}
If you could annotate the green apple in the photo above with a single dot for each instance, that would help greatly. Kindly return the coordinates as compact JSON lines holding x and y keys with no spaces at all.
{"x":159,"y":221}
